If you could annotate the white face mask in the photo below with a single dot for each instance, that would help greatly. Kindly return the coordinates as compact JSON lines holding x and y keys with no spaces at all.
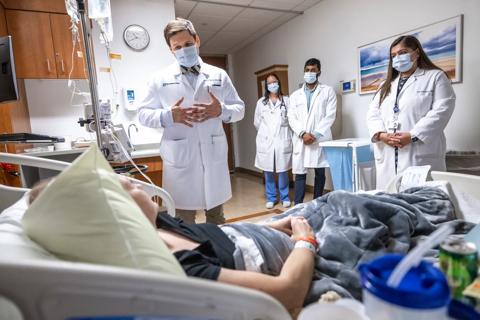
{"x":187,"y":56}
{"x":273,"y":87}
{"x":402,"y":62}
{"x":310,"y":77}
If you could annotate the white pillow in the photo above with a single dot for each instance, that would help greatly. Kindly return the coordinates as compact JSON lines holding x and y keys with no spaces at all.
{"x":14,"y":243}
{"x":85,"y":215}
{"x":15,"y":212}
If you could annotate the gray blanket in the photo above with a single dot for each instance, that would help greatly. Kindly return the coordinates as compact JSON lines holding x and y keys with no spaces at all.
{"x":354,"y":228}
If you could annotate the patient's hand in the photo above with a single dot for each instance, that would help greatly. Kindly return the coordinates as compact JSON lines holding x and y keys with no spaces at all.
{"x":283,"y":225}
{"x":301,"y":228}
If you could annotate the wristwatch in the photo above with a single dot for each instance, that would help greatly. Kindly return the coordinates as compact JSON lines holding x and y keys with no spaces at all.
{"x":415,"y":139}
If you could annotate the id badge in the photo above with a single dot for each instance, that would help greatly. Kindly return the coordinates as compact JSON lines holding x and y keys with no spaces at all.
{"x":393,"y":125}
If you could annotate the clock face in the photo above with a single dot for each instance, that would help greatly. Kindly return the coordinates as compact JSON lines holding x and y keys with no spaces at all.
{"x":136,"y":37}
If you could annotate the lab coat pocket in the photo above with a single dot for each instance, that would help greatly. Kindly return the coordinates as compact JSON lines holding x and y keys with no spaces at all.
{"x":220,"y":149}
{"x":422,"y":151}
{"x":262,"y":143}
{"x":287,"y":146}
{"x":297,"y":146}
{"x":379,"y":152}
{"x":424,"y":102}
{"x":216,"y":89}
{"x":175,"y":153}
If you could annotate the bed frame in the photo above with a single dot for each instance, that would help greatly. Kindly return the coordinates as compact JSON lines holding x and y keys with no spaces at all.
{"x":9,"y":195}
{"x":467,"y":183}
{"x":58,"y":290}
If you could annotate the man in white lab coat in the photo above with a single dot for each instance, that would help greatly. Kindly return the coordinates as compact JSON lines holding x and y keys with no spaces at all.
{"x":190,"y":100}
{"x":311,"y":115}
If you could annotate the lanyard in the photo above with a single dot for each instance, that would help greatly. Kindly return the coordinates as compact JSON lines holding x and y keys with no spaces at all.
{"x":401,"y":84}
{"x":396,"y":110}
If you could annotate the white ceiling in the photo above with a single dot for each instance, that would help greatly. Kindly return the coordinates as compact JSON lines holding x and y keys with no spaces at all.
{"x":225,"y":26}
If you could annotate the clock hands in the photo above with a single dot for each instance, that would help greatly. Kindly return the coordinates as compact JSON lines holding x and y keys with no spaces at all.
{"x":136,"y":38}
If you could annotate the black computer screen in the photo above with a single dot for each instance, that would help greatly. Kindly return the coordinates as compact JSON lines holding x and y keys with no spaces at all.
{"x":8,"y":81}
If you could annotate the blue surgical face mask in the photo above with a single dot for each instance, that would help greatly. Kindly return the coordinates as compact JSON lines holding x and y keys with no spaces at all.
{"x":187,"y":56}
{"x":273,"y":87}
{"x":402,"y":62}
{"x":310,"y":77}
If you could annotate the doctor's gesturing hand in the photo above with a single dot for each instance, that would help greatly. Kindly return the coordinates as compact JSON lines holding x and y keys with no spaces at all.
{"x":204,"y":111}
{"x":182,"y":115}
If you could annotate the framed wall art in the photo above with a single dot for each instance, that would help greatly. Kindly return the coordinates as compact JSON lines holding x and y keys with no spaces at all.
{"x":442,"y":42}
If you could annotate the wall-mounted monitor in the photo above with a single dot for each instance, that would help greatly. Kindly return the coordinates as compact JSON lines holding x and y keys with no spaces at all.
{"x":8,"y":80}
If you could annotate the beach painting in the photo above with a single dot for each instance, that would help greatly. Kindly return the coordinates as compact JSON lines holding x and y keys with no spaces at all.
{"x":441,"y":42}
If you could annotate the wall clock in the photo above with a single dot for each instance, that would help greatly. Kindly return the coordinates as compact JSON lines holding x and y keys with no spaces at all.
{"x":136,"y":37}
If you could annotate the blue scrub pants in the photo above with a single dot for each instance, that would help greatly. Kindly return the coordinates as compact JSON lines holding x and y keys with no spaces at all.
{"x":301,"y":180}
{"x":270,"y":189}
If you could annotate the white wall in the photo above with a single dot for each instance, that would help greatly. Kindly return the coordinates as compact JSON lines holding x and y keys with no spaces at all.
{"x":332,"y":31}
{"x":49,"y":100}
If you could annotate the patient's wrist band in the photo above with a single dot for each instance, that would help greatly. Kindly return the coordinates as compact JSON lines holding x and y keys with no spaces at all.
{"x":309,"y":239}
{"x":305,"y":245}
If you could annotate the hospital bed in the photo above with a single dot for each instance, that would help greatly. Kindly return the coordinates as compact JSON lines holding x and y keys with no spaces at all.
{"x":465,"y":183}
{"x":50,"y":289}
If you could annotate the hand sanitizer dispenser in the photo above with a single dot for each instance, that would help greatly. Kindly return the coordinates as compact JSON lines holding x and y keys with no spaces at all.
{"x":130,"y":99}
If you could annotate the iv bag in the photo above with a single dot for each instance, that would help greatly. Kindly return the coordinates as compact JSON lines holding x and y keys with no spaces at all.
{"x":106,"y":29}
{"x":99,"y":9}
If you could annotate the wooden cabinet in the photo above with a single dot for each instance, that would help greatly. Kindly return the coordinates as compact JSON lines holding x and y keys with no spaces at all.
{"x":64,"y":49}
{"x":32,"y":44}
{"x":43,"y":47}
{"x":57,"y":6}
{"x":3,"y":22}
{"x":154,"y":171}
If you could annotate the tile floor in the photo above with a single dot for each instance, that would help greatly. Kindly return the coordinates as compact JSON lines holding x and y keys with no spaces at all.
{"x":248,"y":200}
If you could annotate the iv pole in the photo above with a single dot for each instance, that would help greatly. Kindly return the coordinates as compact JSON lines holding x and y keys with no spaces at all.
{"x":92,"y":74}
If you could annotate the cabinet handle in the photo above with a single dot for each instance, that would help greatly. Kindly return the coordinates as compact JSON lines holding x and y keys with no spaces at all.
{"x":63,"y":66}
{"x":48,"y":66}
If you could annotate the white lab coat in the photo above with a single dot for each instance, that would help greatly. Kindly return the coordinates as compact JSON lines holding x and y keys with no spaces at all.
{"x":195,"y":160}
{"x":274,"y":137}
{"x":319,"y":118}
{"x":426,"y":104}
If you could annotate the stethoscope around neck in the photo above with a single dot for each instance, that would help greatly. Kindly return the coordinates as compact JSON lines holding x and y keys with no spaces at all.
{"x":283,"y":106}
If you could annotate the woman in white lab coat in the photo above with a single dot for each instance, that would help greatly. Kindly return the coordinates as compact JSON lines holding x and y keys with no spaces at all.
{"x":274,"y":140}
{"x":409,"y":113}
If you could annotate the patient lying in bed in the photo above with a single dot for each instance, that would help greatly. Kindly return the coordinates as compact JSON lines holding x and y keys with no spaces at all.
{"x":350,"y":229}
{"x":205,"y":251}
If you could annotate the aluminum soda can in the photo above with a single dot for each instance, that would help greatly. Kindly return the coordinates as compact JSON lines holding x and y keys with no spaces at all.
{"x":459,"y":262}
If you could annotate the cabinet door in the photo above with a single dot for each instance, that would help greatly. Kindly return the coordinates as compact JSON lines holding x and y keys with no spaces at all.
{"x":32,"y":44}
{"x":36,"y":5}
{"x":3,"y":22}
{"x":67,"y":56}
